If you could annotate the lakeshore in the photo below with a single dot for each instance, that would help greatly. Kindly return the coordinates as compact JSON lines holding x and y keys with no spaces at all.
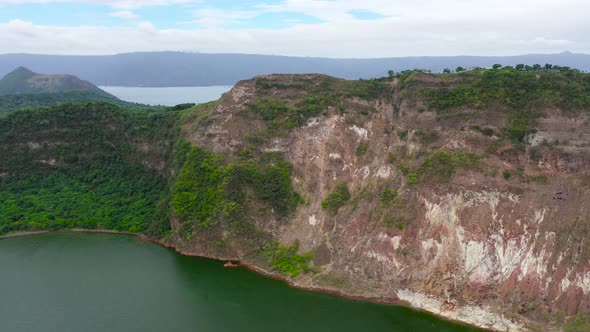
{"x":390,"y":302}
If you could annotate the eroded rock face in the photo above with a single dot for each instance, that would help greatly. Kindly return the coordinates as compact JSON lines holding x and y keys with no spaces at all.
{"x":475,"y":247}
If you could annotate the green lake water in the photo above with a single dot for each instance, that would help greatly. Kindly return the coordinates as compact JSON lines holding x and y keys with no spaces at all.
{"x":92,"y":283}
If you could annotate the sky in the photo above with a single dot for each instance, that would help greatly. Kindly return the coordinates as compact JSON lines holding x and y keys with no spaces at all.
{"x":324,"y":28}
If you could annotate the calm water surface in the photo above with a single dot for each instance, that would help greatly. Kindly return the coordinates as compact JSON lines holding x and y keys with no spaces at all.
{"x":92,"y":283}
{"x":168,"y":96}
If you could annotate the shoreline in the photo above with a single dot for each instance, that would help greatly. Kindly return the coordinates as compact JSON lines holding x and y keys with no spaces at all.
{"x":258,"y":270}
{"x":73,"y":230}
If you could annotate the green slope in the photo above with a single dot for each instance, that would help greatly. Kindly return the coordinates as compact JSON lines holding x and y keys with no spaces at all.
{"x":90,"y":165}
{"x":15,"y":102}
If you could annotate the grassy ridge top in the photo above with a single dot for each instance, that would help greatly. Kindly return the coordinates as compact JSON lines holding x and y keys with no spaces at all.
{"x":523,"y":95}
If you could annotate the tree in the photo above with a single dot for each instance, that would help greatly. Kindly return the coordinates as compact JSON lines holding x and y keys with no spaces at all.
{"x":497,"y":66}
{"x":519,"y":66}
{"x":548,"y":66}
{"x":390,"y":73}
{"x":536,"y":67}
{"x":460,"y":69}
{"x":446,"y":71}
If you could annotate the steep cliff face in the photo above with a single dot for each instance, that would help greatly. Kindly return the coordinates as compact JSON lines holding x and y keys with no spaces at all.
{"x":474,"y":207}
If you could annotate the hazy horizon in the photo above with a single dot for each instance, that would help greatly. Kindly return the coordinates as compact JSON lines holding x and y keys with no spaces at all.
{"x":303,"y":56}
{"x":169,"y":69}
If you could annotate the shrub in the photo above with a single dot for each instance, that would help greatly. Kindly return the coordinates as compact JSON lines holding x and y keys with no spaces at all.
{"x":388,"y":195}
{"x":488,"y":131}
{"x":506,"y":174}
{"x":391,"y":158}
{"x":362,"y":148}
{"x":412,"y":178}
{"x":517,"y":129}
{"x":337,"y":199}
{"x":389,"y":222}
{"x":404,"y":169}
{"x":428,"y":137}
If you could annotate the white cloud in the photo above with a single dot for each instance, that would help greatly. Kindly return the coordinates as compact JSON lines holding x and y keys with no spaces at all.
{"x":421,"y":27}
{"x":215,"y":18}
{"x":122,"y":4}
{"x":147,"y":27}
{"x":124,"y":14}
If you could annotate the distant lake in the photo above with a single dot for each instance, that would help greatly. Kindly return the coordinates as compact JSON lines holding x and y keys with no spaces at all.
{"x":168,"y":96}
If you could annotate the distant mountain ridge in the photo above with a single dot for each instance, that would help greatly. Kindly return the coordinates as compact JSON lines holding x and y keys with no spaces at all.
{"x":156,"y":69}
{"x":24,"y":81}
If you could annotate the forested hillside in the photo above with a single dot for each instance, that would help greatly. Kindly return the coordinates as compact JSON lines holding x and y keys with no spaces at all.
{"x":11,"y":103}
{"x":86,"y":165}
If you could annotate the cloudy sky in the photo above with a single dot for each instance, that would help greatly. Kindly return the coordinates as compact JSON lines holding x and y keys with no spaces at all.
{"x":331,"y":28}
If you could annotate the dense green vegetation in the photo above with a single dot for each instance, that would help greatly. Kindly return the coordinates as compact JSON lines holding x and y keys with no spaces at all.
{"x":198,"y":192}
{"x":208,"y":190}
{"x":103,"y":199}
{"x":285,"y":260}
{"x":15,"y":102}
{"x":82,"y":165}
{"x":337,"y":199}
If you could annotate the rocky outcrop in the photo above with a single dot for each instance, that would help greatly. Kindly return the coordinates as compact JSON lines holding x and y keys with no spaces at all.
{"x":500,"y":241}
